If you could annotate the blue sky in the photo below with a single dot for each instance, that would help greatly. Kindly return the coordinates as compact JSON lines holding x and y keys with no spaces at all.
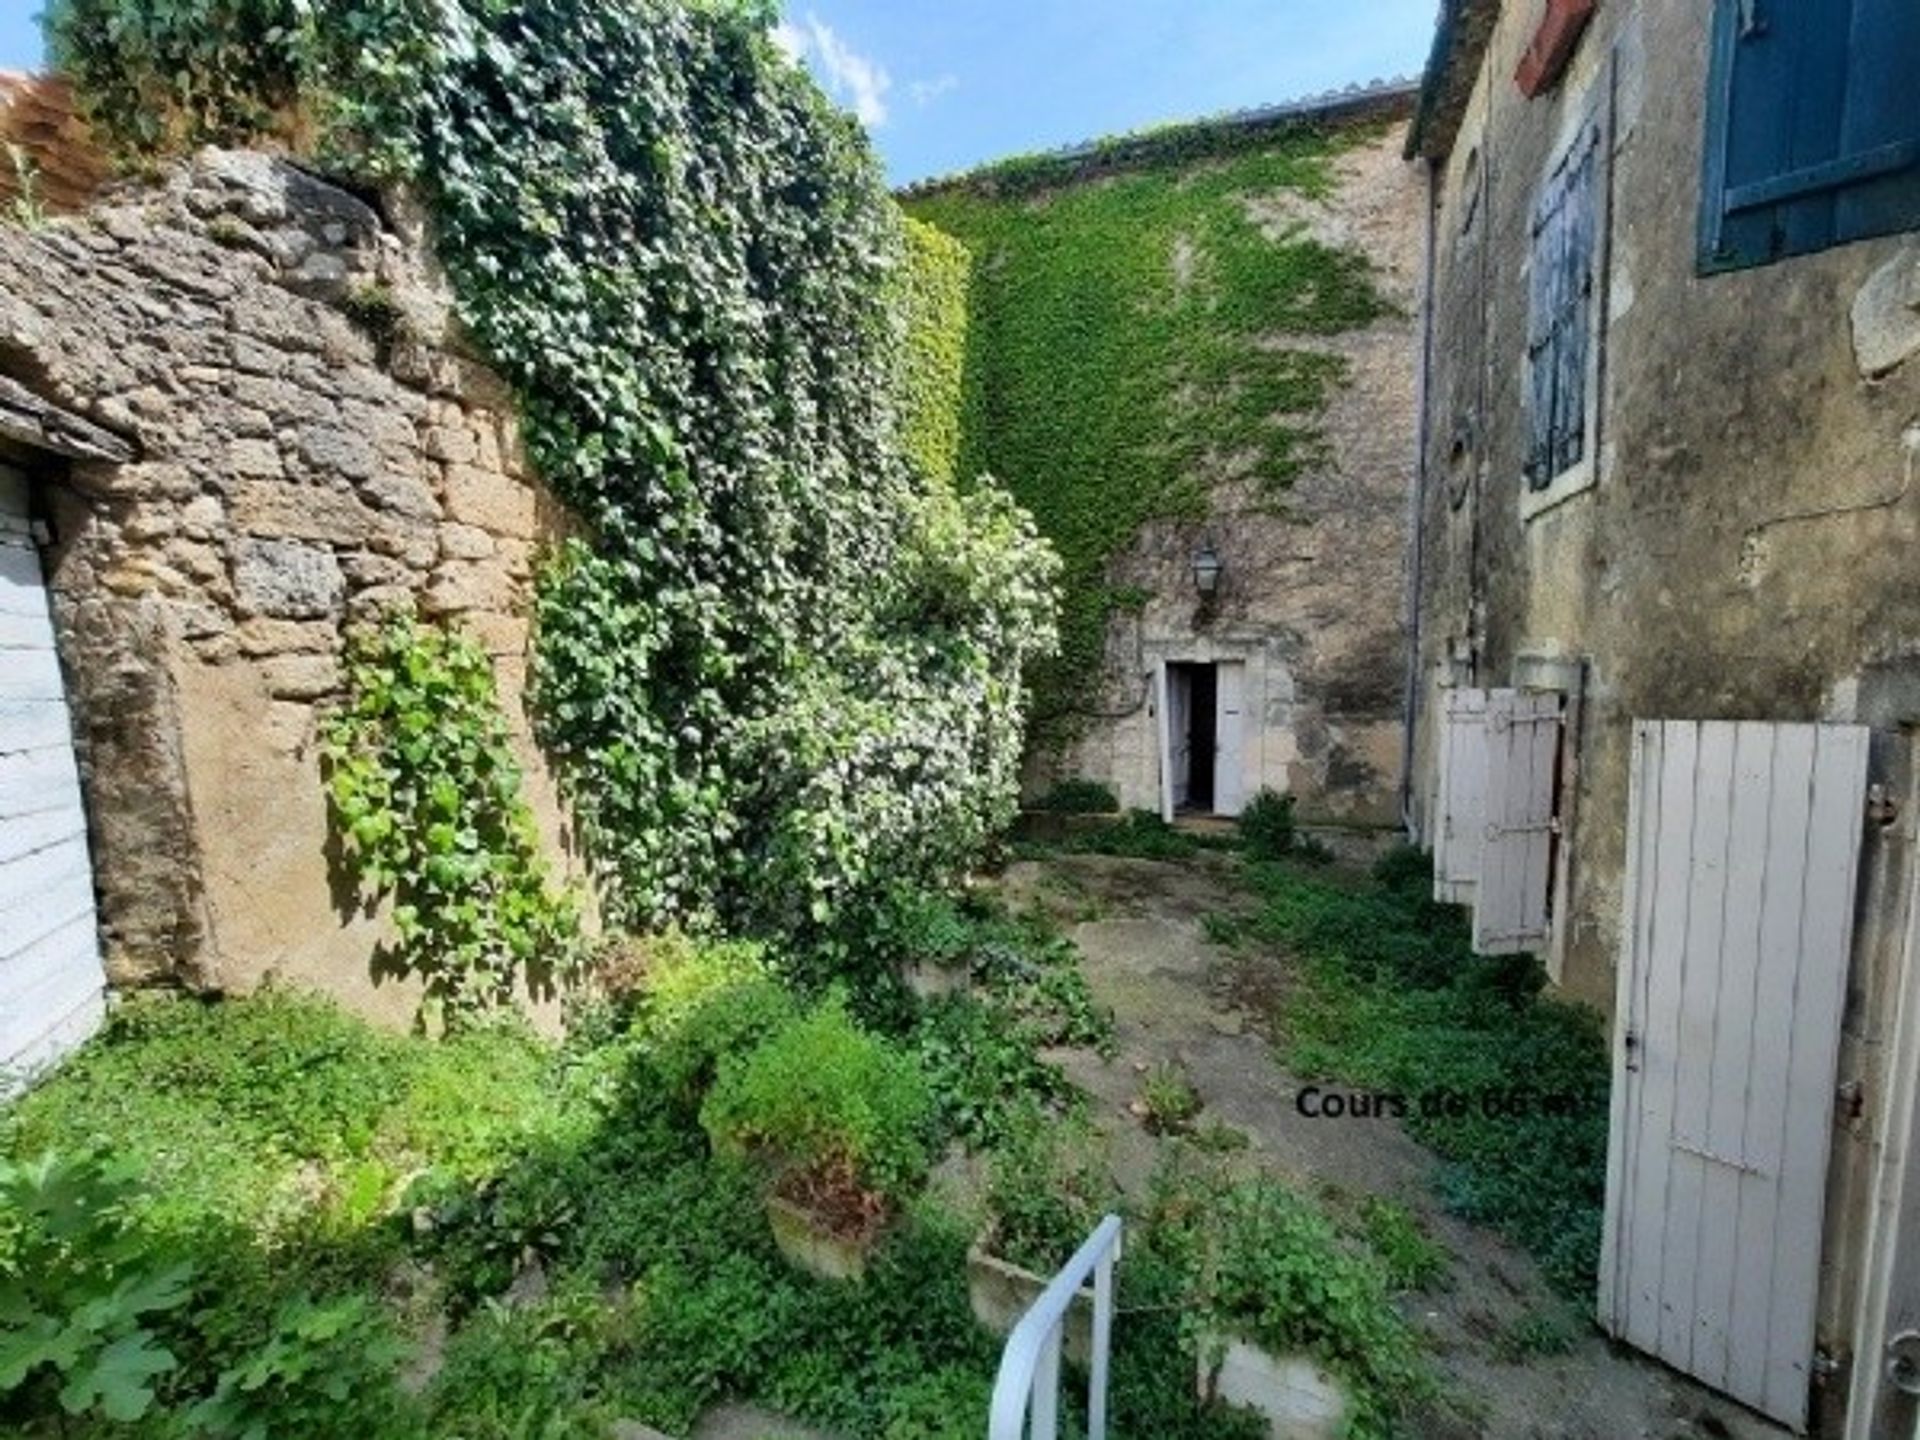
{"x":945,"y":84}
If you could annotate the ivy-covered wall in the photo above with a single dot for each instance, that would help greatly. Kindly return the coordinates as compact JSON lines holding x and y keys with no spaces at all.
{"x":935,"y":317}
{"x":1207,"y":334}
{"x":778,"y":669}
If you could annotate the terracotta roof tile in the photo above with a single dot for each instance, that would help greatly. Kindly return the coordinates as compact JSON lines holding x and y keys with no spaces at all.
{"x":42,"y":134}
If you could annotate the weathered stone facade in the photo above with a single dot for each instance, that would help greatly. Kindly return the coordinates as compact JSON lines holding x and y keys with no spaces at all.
{"x":311,"y":445}
{"x":1740,"y":548}
{"x":1311,"y":598}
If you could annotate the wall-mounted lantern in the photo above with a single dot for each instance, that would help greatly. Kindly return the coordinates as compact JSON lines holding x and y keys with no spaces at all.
{"x":1206,"y":570}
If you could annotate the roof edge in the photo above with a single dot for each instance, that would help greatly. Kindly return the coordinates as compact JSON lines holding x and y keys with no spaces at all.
{"x":1357,"y":104}
{"x":1461,"y":38}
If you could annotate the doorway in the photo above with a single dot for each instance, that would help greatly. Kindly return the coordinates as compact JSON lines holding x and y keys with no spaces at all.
{"x":1200,"y":737}
{"x":1197,"y":739}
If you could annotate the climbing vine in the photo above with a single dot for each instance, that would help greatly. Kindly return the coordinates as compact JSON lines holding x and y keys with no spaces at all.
{"x":426,"y":795}
{"x":934,"y":372}
{"x":781,"y":674}
{"x":1134,"y":341}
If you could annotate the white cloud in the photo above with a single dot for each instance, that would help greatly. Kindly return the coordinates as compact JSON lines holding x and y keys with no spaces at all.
{"x":860,"y":82}
{"x":925,"y":92}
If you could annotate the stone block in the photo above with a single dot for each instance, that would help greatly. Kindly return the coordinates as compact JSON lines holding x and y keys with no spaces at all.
{"x":1298,"y":1399}
{"x":402,"y":495}
{"x":364,"y":571}
{"x":463,"y":585}
{"x":301,"y":512}
{"x":203,"y":517}
{"x":254,"y":458}
{"x":1886,"y":315}
{"x":286,"y":580}
{"x":491,"y":501}
{"x":465,"y":542}
{"x":300,"y":677}
{"x":286,"y":402}
{"x":333,"y":450}
{"x":455,"y":445}
{"x":261,"y":637}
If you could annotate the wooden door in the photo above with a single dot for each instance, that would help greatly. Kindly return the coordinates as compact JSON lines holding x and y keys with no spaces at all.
{"x":1460,"y":831}
{"x":1521,"y":731}
{"x":1743,"y":846}
{"x":1230,"y":738}
{"x":52,"y":988}
{"x":1163,"y":737}
{"x":1180,"y":728}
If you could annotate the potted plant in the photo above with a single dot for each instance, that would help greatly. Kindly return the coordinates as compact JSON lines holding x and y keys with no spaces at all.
{"x":839,"y":1118}
{"x":1047,"y":1188}
{"x":930,"y":939}
{"x":1288,"y":1319}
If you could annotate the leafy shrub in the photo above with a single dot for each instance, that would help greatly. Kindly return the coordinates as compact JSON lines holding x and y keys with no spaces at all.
{"x":842,"y":1114}
{"x":1266,"y":826}
{"x":1047,"y":1187}
{"x":81,"y":1287}
{"x":1079,"y":797}
{"x":326,"y":1371}
{"x":425,"y":791}
{"x":981,"y":1067}
{"x":698,"y":1000}
{"x":1267,"y":1266}
{"x":1534,"y":1335}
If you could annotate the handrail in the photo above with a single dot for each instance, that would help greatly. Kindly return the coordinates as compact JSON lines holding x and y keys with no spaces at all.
{"x":1030,"y":1365}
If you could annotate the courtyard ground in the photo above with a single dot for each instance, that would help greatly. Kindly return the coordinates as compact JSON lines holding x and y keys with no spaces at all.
{"x":1212,"y":1010}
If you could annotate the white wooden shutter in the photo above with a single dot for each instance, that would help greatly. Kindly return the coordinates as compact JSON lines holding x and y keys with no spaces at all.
{"x":1461,"y":827}
{"x":1522,"y":730}
{"x":51,"y":984}
{"x":1230,"y":731}
{"x":1163,"y":735}
{"x":1743,"y":849}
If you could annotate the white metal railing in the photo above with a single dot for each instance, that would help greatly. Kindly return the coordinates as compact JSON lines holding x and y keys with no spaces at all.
{"x":1030,"y":1365}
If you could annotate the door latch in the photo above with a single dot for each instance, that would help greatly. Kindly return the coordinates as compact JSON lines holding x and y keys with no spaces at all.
{"x":1882,"y":808}
{"x":1903,"y":1362}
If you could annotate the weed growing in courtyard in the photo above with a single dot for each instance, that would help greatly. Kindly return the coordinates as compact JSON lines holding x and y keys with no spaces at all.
{"x":1508,"y":1087}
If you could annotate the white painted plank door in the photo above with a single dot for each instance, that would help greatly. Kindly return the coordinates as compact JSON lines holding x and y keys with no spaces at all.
{"x":52,"y":989}
{"x":1230,"y":732}
{"x":1461,"y":830}
{"x":1163,"y":736}
{"x":1743,"y":851}
{"x":1522,"y":730}
{"x":1180,"y":729}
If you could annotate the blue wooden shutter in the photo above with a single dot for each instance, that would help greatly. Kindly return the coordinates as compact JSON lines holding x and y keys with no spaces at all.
{"x":1560,"y":312}
{"x":1813,"y":127}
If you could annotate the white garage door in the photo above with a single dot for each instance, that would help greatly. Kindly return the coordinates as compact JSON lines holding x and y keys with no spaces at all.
{"x":52,"y":989}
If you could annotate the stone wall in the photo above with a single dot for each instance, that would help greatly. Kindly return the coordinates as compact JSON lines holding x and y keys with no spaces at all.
{"x":1745,"y":549}
{"x":1312,"y":596}
{"x":312,"y":445}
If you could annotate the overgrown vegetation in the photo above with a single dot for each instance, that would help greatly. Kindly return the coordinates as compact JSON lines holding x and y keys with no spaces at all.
{"x":781,"y":673}
{"x":934,"y":373}
{"x":426,"y":800}
{"x":1135,"y":340}
{"x":1510,"y":1088}
{"x":319,"y":1198}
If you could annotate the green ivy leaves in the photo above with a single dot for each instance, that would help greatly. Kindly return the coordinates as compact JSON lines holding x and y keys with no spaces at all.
{"x":425,"y":791}
{"x":782,"y":669}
